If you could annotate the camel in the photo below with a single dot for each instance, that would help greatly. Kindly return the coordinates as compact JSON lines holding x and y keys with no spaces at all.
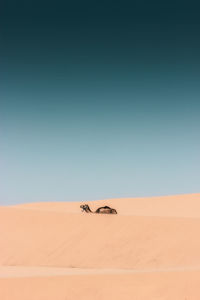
{"x":100,"y":210}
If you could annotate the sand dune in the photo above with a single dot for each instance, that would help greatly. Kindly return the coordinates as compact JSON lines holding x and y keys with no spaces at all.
{"x":150,"y":250}
{"x":166,"y":206}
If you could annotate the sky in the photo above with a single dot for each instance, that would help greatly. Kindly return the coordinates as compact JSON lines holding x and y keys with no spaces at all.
{"x":98,"y":99}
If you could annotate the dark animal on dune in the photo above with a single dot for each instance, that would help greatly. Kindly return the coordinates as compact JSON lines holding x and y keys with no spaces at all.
{"x":100,"y":210}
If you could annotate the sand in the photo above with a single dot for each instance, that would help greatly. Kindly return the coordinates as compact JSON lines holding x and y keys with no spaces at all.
{"x":150,"y":250}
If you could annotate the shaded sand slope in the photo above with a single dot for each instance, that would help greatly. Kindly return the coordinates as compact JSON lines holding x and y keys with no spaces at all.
{"x":177,"y":206}
{"x":36,"y":238}
{"x":149,"y":286}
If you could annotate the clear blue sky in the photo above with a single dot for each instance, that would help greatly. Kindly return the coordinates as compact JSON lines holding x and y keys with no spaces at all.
{"x":96,"y":110}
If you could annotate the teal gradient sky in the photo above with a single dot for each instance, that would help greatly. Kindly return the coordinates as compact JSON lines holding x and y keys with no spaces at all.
{"x":100,"y":109}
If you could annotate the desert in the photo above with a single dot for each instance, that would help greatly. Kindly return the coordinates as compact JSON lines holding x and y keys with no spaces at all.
{"x":149,"y":250}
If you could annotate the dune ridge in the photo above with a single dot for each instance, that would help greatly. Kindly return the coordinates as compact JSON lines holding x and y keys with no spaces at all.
{"x":178,"y":206}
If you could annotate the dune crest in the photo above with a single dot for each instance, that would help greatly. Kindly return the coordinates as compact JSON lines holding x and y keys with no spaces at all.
{"x":171,"y":206}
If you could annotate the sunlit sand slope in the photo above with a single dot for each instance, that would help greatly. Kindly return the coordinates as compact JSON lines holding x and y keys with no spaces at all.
{"x":150,"y":250}
{"x":42,"y":238}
